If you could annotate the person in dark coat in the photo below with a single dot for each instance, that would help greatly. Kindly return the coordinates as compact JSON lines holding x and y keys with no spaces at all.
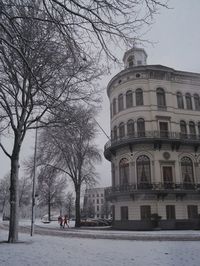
{"x":65,"y":221}
{"x":60,"y":221}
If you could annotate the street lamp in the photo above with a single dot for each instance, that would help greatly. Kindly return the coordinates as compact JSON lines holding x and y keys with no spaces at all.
{"x":33,"y":187}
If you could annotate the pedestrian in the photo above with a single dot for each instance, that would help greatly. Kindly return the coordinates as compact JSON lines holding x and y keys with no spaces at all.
{"x":65,"y":221}
{"x":60,"y":221}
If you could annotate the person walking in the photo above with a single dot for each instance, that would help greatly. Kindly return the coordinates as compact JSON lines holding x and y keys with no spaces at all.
{"x":65,"y":222}
{"x":60,"y":221}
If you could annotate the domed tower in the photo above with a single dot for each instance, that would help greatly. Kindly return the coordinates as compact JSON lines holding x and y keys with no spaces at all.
{"x":154,"y":148}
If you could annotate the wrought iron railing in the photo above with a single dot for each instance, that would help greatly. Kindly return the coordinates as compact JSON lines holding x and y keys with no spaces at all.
{"x":153,"y":135}
{"x":165,"y":187}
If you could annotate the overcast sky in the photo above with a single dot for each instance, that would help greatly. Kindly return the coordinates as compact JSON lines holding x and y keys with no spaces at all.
{"x":176,"y":38}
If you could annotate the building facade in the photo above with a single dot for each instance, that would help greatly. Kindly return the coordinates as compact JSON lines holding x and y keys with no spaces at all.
{"x":155,"y":146}
{"x":95,"y":204}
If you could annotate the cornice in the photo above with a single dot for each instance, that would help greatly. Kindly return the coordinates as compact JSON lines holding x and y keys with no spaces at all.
{"x":152,"y":72}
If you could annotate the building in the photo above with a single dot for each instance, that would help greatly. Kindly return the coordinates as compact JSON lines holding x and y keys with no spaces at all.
{"x":94,"y":204}
{"x":155,"y":146}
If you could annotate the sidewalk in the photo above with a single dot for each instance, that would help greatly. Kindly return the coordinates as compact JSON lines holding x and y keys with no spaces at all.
{"x":106,"y":233}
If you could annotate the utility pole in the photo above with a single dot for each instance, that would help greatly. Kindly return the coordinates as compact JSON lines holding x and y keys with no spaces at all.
{"x":33,"y":188}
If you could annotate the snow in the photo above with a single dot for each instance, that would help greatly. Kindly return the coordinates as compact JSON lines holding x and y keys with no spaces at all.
{"x":43,"y":250}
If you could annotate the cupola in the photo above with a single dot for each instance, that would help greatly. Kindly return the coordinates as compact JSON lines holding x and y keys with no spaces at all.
{"x":135,"y":57}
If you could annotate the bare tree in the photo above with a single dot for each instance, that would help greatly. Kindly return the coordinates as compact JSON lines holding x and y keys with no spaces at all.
{"x":4,"y":193}
{"x":44,"y":48}
{"x":51,"y":188}
{"x":69,"y":204}
{"x":24,"y":191}
{"x":73,"y":151}
{"x":38,"y":71}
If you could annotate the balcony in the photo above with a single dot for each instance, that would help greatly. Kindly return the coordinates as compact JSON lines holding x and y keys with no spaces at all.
{"x":160,"y":189}
{"x":175,"y":139}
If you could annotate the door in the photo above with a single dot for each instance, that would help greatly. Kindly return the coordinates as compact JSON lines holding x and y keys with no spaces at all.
{"x":163,"y":129}
{"x":167,"y":177}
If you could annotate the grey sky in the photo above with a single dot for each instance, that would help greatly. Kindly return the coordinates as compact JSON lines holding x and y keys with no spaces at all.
{"x":176,"y":37}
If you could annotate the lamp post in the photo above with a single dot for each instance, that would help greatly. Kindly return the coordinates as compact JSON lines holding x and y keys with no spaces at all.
{"x":33,"y":187}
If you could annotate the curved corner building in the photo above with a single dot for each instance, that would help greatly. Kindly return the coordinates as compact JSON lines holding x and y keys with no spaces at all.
{"x":155,"y":146}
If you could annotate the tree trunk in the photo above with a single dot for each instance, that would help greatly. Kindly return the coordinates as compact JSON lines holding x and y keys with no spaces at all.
{"x":77,"y":206}
{"x":49,"y":206}
{"x":14,"y":198}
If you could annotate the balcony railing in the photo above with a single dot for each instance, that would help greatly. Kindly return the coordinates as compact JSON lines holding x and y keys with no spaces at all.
{"x":152,"y":188}
{"x":153,"y":135}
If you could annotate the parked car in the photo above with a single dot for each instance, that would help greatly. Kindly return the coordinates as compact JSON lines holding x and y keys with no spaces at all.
{"x":95,"y":222}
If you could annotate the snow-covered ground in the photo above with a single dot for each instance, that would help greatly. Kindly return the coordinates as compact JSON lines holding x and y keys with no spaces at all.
{"x":56,"y":251}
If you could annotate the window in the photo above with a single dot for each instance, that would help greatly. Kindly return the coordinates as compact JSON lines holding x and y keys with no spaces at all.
{"x":123,"y":171}
{"x":180,"y":103}
{"x":101,"y":201}
{"x":188,"y":101}
{"x":102,"y":195}
{"x":196,"y":102}
{"x":113,"y":176}
{"x":129,"y":99}
{"x":161,"y":102}
{"x":183,"y":129}
{"x":141,"y":127}
{"x":114,"y":107}
{"x":121,"y":130}
{"x":130,"y":61}
{"x":115,"y":133}
{"x":97,"y":207}
{"x":192,"y":211}
{"x":97,"y":195}
{"x":187,"y":173}
{"x":170,"y":212}
{"x":139,"y":97}
{"x":145,"y":212}
{"x":143,"y":172}
{"x":113,"y":212}
{"x":199,"y":129}
{"x":163,"y":129}
{"x":97,"y":201}
{"x":167,"y":177}
{"x":124,"y":213}
{"x":130,"y":127}
{"x":192,"y":130}
{"x":120,"y":103}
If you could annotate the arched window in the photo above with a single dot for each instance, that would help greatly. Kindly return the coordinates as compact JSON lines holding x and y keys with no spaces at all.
{"x":114,"y":107}
{"x":183,"y":129}
{"x":120,"y":103}
{"x":140,"y":127}
{"x":199,"y":129}
{"x":139,"y":97}
{"x":161,"y":102}
{"x":196,"y":102}
{"x":180,"y":103}
{"x":121,"y":130}
{"x":188,"y":101}
{"x":123,"y":171}
{"x":130,"y":61}
{"x":129,"y":99}
{"x":113,"y":175}
{"x":187,"y":173}
{"x":115,"y":133}
{"x":143,"y":172}
{"x":192,"y":130}
{"x":130,"y":127}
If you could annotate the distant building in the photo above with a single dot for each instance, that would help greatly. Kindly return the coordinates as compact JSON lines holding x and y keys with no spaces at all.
{"x":94,"y":204}
{"x":155,"y":146}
